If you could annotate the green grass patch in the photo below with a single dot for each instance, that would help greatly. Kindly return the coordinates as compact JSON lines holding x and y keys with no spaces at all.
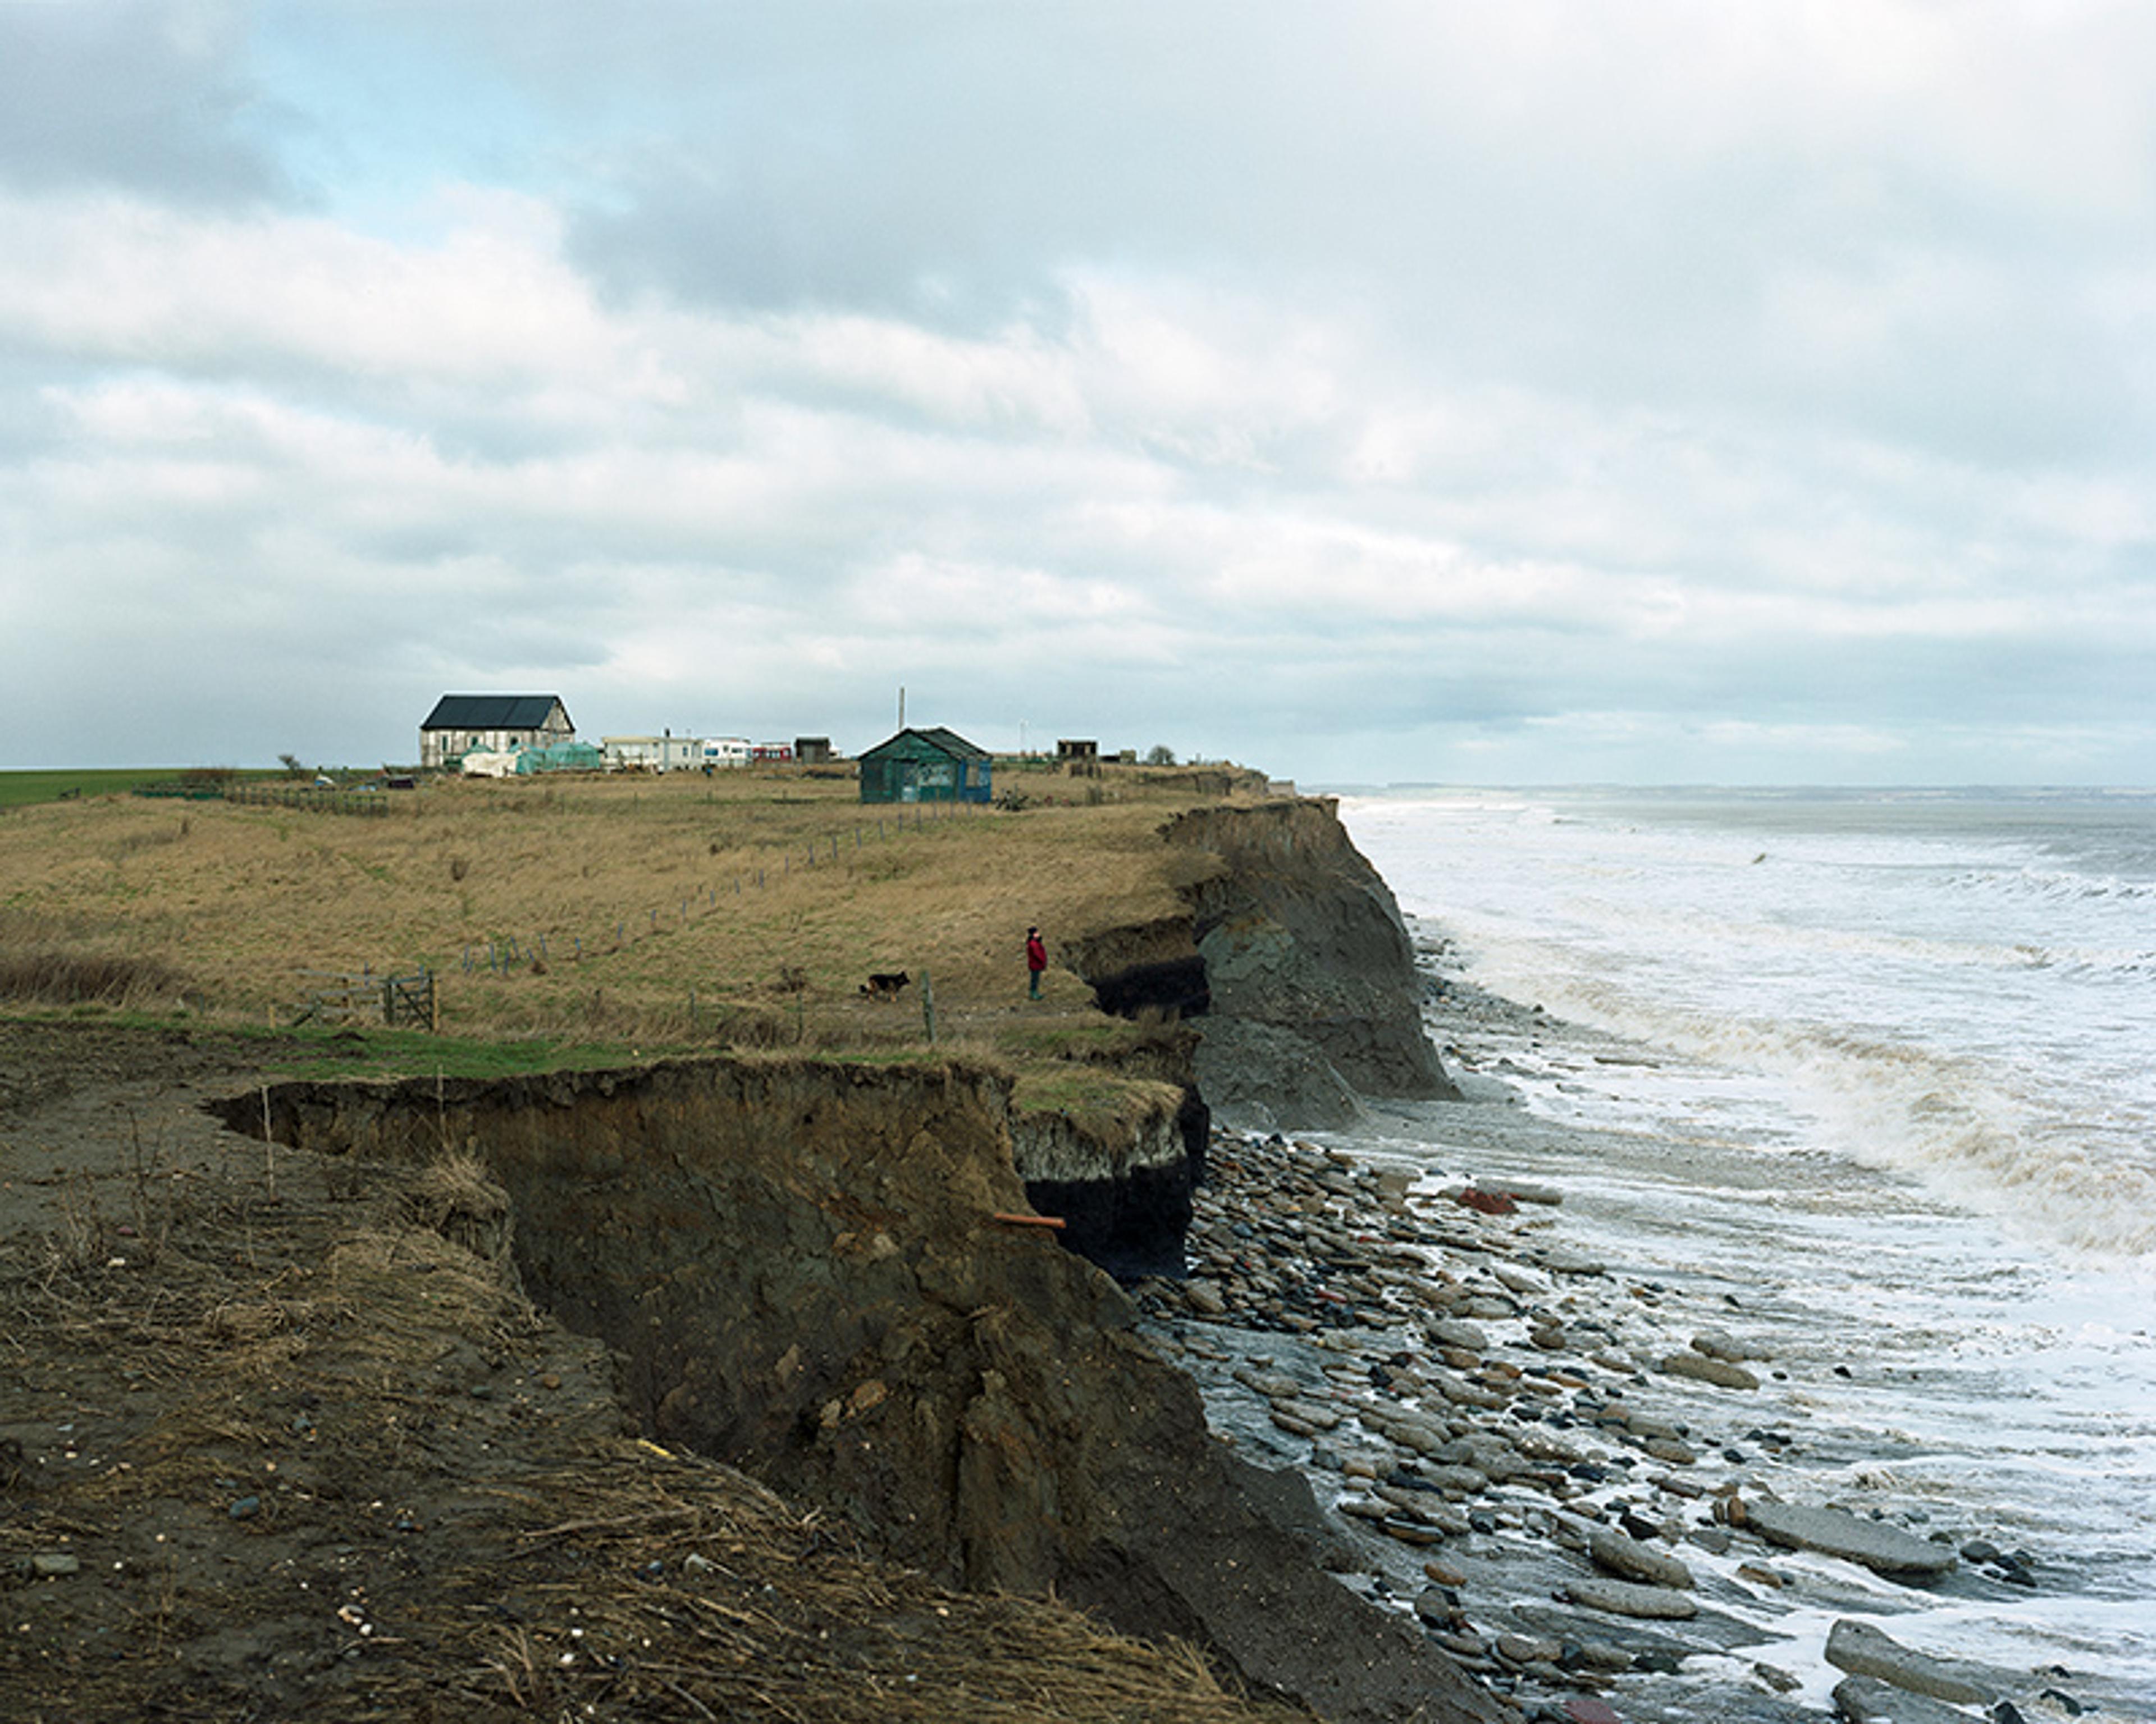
{"x":349,"y":1051}
{"x":327,"y":1052}
{"x":1095,"y":1100}
{"x":20,"y":789}
{"x":326,"y":1055}
{"x":1070,"y":1036}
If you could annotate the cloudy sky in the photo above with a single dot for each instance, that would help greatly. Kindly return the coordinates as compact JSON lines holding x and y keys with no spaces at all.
{"x":1656,"y":390}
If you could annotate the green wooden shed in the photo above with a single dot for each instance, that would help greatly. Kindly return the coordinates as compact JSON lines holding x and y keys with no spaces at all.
{"x":933,"y":765}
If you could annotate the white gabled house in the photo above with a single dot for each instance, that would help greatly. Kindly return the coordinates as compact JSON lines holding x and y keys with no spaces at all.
{"x":492,"y":724}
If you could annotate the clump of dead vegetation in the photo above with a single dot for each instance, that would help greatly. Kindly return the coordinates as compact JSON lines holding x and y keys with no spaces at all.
{"x":66,"y":978}
{"x":743,"y":1607}
{"x":453,"y":1196}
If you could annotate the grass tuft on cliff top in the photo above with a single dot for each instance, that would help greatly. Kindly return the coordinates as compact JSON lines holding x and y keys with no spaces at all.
{"x":1098,"y":1102}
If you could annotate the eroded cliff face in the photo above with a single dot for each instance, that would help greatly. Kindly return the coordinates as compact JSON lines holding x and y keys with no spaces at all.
{"x":1123,"y":1193}
{"x":800,"y":1265}
{"x":1294,"y":960}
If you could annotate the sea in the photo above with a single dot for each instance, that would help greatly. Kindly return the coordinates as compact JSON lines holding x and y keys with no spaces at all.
{"x":1877,"y":1070}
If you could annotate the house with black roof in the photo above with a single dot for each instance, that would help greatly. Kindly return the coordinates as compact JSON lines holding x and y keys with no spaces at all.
{"x":933,"y":765}
{"x":466,"y":724}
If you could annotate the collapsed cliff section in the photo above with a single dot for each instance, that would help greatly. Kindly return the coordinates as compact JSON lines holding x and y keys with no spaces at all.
{"x":1294,"y":960}
{"x":802,"y":1267}
{"x":1121,"y":1179}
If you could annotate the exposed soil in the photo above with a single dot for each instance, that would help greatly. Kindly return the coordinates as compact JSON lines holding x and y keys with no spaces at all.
{"x":281,"y":1433}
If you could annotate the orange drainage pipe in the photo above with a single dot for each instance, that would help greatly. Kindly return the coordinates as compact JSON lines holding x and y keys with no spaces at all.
{"x":1053,"y":1221}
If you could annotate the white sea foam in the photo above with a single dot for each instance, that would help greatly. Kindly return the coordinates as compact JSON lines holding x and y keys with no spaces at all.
{"x":1895,"y":1085}
{"x":1920,"y":994}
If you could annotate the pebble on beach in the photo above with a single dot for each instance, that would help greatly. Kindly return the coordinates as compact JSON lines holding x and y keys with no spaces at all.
{"x":1628,"y":1598}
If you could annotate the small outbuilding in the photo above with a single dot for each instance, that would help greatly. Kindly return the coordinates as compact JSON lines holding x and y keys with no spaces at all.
{"x":493,"y":724}
{"x":933,"y":765}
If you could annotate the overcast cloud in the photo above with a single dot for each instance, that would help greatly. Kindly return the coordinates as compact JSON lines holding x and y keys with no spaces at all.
{"x":1657,"y":390}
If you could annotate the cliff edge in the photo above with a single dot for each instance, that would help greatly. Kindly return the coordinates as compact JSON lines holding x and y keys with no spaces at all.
{"x":1293,"y":962}
{"x":805,"y":1268}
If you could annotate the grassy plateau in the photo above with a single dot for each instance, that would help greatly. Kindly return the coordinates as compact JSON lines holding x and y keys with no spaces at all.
{"x":569,"y":919}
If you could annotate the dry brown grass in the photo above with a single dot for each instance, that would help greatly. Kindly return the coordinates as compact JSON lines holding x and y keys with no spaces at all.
{"x":774,"y":1617}
{"x":69,"y":978}
{"x":744,"y":910}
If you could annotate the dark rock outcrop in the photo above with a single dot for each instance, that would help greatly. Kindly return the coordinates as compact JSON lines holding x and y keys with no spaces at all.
{"x":1295,"y":958}
{"x":1258,"y":1076}
{"x":1298,"y":931}
{"x":1142,"y":969}
{"x":799,"y":1265}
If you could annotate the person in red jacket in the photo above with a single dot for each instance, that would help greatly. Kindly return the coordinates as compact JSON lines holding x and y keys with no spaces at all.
{"x":1036,"y":960}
